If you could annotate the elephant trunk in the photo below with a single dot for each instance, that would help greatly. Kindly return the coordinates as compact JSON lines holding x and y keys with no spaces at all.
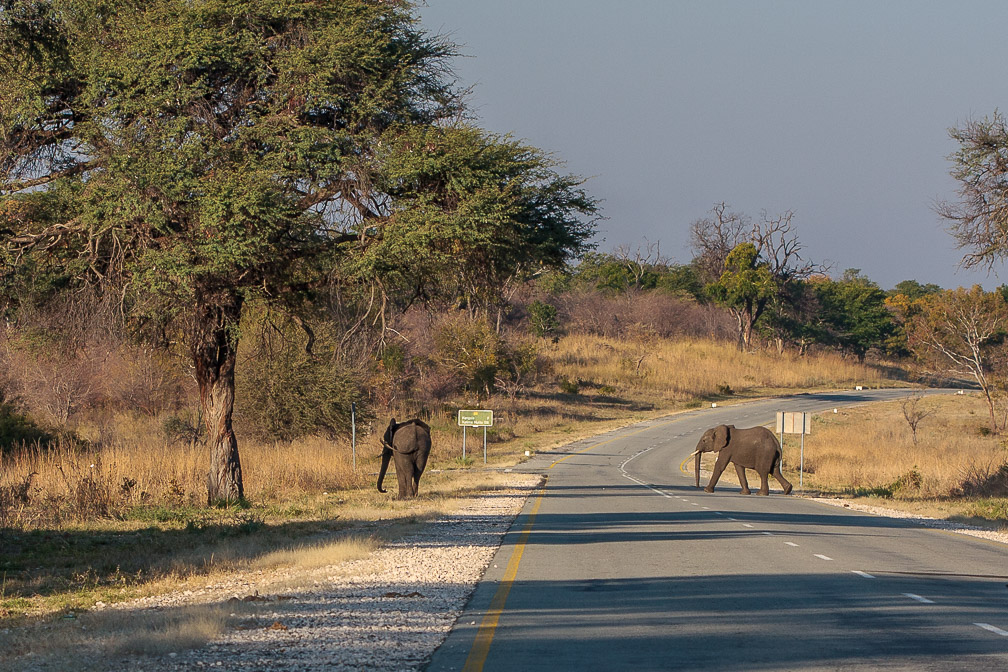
{"x":385,"y":457}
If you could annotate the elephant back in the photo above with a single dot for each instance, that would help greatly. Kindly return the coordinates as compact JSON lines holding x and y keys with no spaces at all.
{"x":411,"y":436}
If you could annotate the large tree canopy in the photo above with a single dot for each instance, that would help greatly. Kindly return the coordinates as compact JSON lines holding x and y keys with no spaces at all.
{"x":196,"y":155}
{"x":852,"y":313}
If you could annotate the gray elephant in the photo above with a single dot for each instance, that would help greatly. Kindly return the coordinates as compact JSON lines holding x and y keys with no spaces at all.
{"x":410,"y":443}
{"x":753,"y":448}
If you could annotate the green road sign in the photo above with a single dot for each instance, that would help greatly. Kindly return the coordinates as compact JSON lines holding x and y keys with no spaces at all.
{"x":475,"y":418}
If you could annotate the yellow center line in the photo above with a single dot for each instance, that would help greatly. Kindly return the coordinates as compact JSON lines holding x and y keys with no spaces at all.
{"x":485,"y":634}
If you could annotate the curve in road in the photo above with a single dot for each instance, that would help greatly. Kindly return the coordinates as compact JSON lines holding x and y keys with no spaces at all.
{"x":618,"y":562}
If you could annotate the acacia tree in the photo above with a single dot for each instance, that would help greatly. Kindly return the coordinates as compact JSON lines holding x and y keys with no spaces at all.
{"x":745,"y":287}
{"x":777,"y":251}
{"x":979,"y":220}
{"x":958,"y":332}
{"x":196,"y":156}
{"x":473,"y":215}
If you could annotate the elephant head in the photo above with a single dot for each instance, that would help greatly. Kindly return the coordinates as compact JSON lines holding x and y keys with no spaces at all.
{"x":386,"y":452}
{"x":713,"y":440}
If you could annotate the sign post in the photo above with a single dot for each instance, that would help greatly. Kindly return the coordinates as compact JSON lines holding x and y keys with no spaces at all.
{"x":795,"y":423}
{"x":473,"y":418}
{"x":353,"y":433}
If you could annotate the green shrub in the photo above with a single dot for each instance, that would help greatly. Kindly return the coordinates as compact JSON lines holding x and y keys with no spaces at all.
{"x":294,"y":395}
{"x":543,"y":319}
{"x":568,"y":386}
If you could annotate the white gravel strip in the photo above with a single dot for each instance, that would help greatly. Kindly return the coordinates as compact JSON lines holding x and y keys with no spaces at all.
{"x":389,"y":611}
{"x":925,"y":521}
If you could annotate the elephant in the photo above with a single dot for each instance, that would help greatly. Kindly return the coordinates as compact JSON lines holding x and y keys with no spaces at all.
{"x":753,"y":448}
{"x":410,"y":443}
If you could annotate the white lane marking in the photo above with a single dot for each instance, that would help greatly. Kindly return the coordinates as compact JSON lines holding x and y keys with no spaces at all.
{"x":718,"y":513}
{"x":694,"y":504}
{"x":746,"y":525}
{"x":769,"y":534}
{"x":734,"y":519}
{"x":649,"y":487}
{"x":791,"y":543}
{"x":706,"y":508}
{"x":823,"y":557}
{"x":863,"y":575}
{"x":922,"y":600}
{"x":990,"y":628}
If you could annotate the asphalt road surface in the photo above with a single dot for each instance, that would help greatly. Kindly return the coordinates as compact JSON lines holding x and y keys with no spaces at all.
{"x":620,"y":563}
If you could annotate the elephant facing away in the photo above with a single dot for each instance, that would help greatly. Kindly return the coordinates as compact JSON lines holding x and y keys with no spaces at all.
{"x":410,"y":443}
{"x":753,"y":448}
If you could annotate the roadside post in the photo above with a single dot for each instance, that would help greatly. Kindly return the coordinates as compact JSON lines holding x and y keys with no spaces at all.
{"x":353,"y":433}
{"x":474,"y":418}
{"x":795,"y":423}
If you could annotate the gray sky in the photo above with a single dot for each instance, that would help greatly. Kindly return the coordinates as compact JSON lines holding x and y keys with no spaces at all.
{"x":836,"y":110}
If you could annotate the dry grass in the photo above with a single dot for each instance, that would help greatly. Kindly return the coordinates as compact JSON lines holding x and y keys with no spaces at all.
{"x":691,"y":369}
{"x":871,"y":449}
{"x":67,"y":484}
{"x":318,"y":555}
{"x":99,"y":636}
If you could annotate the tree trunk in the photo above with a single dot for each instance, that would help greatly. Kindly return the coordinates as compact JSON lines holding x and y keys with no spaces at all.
{"x":214,"y":350}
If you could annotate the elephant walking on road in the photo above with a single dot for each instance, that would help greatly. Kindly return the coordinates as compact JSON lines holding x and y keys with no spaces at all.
{"x":410,"y":443}
{"x":753,"y":448}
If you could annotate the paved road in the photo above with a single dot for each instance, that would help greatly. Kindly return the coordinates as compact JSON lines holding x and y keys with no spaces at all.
{"x":620,"y":563}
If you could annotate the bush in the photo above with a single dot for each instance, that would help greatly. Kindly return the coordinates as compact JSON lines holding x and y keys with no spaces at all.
{"x":568,"y":386}
{"x":17,"y":429}
{"x":470,"y":347}
{"x":656,"y":313}
{"x":284,"y":392}
{"x":543,"y":319}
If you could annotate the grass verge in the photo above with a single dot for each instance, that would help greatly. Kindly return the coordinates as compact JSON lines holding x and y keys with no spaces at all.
{"x":954,"y":468}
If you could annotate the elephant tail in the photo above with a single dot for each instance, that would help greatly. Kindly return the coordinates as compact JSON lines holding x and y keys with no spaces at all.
{"x":778,"y":459}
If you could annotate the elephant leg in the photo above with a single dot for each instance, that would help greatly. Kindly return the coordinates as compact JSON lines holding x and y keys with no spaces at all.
{"x":783,"y":481}
{"x":740,"y":470}
{"x":418,"y":469}
{"x":719,"y":467}
{"x":404,"y":474}
{"x":764,"y":483}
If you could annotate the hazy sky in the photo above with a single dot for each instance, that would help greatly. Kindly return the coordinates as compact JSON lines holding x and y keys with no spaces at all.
{"x":836,"y":110}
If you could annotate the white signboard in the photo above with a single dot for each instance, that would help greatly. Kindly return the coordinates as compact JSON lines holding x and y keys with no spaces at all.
{"x":794,"y":423}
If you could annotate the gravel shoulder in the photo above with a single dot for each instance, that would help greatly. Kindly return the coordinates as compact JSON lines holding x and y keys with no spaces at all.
{"x":388,"y":611}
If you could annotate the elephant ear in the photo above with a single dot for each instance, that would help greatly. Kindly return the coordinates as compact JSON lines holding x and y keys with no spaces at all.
{"x":389,"y":433}
{"x":722,"y":435}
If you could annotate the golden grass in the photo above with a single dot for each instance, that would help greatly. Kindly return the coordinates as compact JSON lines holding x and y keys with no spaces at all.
{"x":69,"y":484}
{"x":870,"y":450}
{"x":321,"y":554}
{"x":690,"y":369}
